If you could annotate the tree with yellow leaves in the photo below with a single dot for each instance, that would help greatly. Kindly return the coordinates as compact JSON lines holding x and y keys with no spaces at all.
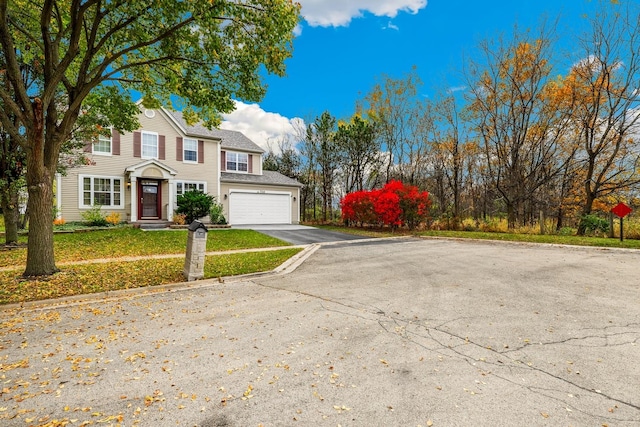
{"x":521,"y":132}
{"x":394,"y":106}
{"x":605,"y":83}
{"x":452,"y":148}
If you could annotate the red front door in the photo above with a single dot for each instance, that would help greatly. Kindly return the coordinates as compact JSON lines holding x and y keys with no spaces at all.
{"x":149,"y":199}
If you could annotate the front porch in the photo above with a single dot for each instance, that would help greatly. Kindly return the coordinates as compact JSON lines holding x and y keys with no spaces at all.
{"x":151,"y":186}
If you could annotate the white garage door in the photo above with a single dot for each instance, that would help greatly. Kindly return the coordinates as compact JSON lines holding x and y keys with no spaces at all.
{"x":259,"y":208}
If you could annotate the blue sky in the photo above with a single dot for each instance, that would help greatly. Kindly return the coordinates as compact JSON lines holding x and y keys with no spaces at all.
{"x":344,"y":47}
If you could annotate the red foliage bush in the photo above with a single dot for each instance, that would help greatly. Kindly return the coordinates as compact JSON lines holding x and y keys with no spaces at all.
{"x":387,"y":208}
{"x":358,"y":207}
{"x":395,"y":205}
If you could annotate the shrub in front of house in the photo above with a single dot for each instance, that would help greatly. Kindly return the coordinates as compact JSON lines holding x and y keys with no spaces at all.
{"x":194,"y":204}
{"x":94,"y":217}
{"x":179,"y":219}
{"x":113,"y":218}
{"x":216,"y":214}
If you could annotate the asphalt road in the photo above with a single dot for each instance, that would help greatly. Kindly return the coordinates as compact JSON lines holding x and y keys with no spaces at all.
{"x":302,"y":234}
{"x":401,"y":332}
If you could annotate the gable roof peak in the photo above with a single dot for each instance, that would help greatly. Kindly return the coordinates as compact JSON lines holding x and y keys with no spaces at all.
{"x":230,"y":139}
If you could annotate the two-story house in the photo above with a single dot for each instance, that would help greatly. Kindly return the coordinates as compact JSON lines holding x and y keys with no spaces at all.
{"x":140,"y":174}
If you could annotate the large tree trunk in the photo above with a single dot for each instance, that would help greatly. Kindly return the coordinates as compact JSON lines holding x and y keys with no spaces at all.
{"x":40,"y":173}
{"x":9,"y":200}
{"x":40,"y":258}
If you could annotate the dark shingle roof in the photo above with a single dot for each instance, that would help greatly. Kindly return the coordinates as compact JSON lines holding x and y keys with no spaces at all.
{"x":267,"y":178}
{"x":237,"y":141}
{"x":230,"y":139}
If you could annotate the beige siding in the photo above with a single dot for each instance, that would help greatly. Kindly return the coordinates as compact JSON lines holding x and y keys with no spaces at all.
{"x":256,"y":164}
{"x":71,"y":195}
{"x":114,"y":166}
{"x":294,"y":191}
{"x":207,"y":171}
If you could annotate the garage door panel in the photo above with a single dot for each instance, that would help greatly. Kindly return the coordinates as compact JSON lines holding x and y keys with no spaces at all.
{"x":259,"y":208}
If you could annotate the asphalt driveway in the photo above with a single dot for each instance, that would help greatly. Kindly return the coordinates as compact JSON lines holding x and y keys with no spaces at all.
{"x":402,"y":332}
{"x":301,"y":234}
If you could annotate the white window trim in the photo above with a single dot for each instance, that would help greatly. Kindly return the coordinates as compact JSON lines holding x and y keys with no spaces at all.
{"x":142,"y":134}
{"x":81,"y":204}
{"x":184,"y":150}
{"x":103,"y":153}
{"x":227,"y":162}
{"x":183,"y":182}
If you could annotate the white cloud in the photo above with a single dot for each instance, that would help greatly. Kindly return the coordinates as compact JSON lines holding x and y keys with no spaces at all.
{"x":456,"y":89}
{"x":262,"y":127}
{"x":391,"y":26}
{"x":596,"y":65}
{"x":336,"y":13}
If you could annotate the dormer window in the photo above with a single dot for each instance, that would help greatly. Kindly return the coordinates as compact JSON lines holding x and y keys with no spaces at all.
{"x":237,"y":162}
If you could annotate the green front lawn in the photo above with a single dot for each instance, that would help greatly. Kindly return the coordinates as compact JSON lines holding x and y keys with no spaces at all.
{"x":115,"y":243}
{"x":123,"y":242}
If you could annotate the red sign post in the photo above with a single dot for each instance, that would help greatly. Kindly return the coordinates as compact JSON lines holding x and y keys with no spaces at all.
{"x":621,"y":210}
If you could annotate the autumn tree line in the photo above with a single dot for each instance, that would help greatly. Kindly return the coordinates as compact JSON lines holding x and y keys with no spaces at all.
{"x":529,"y":133}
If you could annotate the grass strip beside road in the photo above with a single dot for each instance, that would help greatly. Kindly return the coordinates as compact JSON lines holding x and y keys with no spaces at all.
{"x":603,"y":242}
{"x":101,"y":277}
{"x":127,"y":241}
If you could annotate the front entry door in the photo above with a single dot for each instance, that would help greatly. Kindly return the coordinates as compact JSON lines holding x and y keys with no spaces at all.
{"x":150,"y":199}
